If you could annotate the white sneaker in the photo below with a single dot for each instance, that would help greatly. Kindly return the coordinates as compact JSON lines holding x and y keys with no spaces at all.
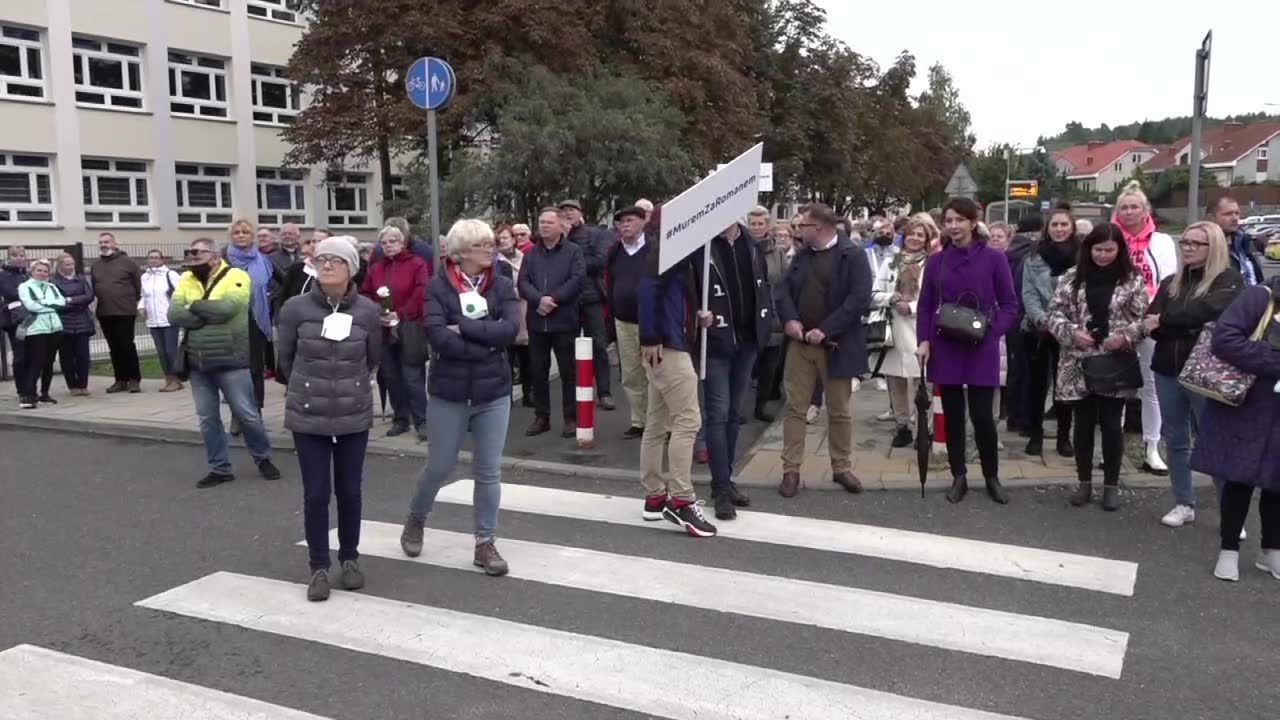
{"x":1180,"y":515}
{"x":854,"y":385}
{"x":1155,"y":463}
{"x":886,"y":416}
{"x":811,"y":416}
{"x":1269,"y":562}
{"x":1228,"y":567}
{"x":881,"y":385}
{"x":1244,"y":535}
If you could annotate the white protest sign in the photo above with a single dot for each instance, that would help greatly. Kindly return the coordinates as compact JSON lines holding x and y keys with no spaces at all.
{"x":700,"y":213}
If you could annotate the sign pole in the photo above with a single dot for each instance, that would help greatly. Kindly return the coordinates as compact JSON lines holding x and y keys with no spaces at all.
{"x":1200,"y":101}
{"x":706,"y":306}
{"x":1008,"y":175}
{"x":433,"y":153}
{"x":430,"y":84}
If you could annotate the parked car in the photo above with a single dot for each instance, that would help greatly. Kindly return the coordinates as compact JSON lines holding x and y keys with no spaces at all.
{"x":1273,"y":248}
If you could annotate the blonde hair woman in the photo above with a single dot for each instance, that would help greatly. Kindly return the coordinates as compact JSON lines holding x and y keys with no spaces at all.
{"x":1203,"y":287}
{"x":1155,"y":257}
{"x":898,"y":289}
{"x":264,"y":277}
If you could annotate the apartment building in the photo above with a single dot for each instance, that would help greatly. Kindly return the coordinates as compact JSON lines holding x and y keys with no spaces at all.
{"x":160,"y":121}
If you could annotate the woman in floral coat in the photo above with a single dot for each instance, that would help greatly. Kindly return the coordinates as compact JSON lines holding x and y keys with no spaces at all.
{"x":1098,"y":308}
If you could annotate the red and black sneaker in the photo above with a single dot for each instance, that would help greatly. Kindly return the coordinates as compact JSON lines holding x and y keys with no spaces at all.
{"x":653,"y":505}
{"x":688,"y":515}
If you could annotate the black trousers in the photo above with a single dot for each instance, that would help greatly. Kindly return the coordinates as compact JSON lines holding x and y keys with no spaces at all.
{"x":981,"y":407}
{"x":258,"y":344}
{"x":118,"y":331}
{"x":17,"y":358}
{"x":541,"y":346}
{"x":73,"y":356}
{"x":1014,"y":397}
{"x":519,"y":356}
{"x":1042,"y":369}
{"x":41,"y":350}
{"x":770,"y":375}
{"x":1091,"y":413}
{"x":594,"y":325}
{"x":1235,"y":508}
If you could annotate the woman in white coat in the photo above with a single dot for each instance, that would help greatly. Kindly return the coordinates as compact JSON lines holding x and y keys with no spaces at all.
{"x":1155,"y":257}
{"x":158,"y":283}
{"x":897,"y":289}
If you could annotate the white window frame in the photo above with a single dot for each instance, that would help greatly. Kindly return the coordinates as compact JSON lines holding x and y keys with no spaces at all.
{"x":26,"y":77}
{"x":358,"y":185}
{"x":137,"y":212}
{"x":285,"y":11}
{"x":192,"y":175}
{"x":397,"y":190}
{"x":1264,"y":152}
{"x":16,"y":163}
{"x":132,"y":97}
{"x":299,"y":194}
{"x":209,"y":4}
{"x":184,"y":63}
{"x":263,"y":114}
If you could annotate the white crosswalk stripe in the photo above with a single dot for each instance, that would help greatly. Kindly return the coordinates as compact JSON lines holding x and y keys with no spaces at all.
{"x":1056,"y":643}
{"x":40,"y":684}
{"x":584,"y":667}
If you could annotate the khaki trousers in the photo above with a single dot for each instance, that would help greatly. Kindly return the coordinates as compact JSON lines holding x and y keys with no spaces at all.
{"x":673,"y":408}
{"x":902,"y":398}
{"x":805,"y":366}
{"x":634,"y":381}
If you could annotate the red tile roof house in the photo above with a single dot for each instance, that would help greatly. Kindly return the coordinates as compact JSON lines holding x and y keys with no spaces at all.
{"x":1102,"y":166}
{"x":1235,"y":153}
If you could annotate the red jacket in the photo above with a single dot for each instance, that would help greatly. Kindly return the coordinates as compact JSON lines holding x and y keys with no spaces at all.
{"x":406,"y":275}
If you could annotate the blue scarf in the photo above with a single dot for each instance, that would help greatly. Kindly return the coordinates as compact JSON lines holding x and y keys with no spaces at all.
{"x":260,"y":272}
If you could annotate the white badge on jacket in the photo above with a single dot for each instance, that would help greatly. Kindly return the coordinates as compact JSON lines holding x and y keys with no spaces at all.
{"x":337,"y":327}
{"x":474,"y":306}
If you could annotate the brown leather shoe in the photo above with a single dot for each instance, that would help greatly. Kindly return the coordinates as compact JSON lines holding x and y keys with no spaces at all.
{"x":539,"y":426}
{"x":790,"y":484}
{"x":848,"y":481}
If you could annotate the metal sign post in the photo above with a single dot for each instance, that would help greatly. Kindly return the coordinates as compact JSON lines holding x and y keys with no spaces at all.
{"x":430,"y":84}
{"x":1200,"y":102}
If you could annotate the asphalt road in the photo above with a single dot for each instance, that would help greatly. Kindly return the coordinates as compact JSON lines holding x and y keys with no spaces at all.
{"x":92,"y":526}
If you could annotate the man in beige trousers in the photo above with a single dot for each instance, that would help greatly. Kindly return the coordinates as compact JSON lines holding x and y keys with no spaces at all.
{"x":624,"y":268}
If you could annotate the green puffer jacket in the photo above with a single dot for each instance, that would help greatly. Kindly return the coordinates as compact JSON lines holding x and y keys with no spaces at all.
{"x":217,"y":327}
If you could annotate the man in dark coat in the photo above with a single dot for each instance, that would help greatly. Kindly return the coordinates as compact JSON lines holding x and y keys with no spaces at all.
{"x":594,"y":243}
{"x":822,"y":299}
{"x":117,"y":283}
{"x":1020,"y":246}
{"x":12,"y":274}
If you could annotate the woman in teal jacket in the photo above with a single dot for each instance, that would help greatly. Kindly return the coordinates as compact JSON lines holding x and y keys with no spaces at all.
{"x":43,"y":329}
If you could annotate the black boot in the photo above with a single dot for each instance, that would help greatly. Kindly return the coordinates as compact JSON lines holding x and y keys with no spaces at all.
{"x":959,"y":487}
{"x":1083,"y":494}
{"x":996,"y":491}
{"x":1035,"y":446}
{"x":1065,"y":448}
{"x":1111,"y":498}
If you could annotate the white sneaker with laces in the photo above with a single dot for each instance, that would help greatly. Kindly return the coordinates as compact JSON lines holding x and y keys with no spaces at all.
{"x":881,"y":385}
{"x":811,"y":416}
{"x":886,"y":416}
{"x":1180,"y":515}
{"x":1228,"y":567}
{"x":1269,"y":562}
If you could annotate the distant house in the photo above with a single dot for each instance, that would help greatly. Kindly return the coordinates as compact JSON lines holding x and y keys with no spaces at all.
{"x":1235,"y":153}
{"x":1100,"y":167}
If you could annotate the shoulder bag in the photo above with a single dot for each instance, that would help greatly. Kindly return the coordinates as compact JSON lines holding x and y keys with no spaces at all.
{"x":1112,"y":373}
{"x":181,"y":368}
{"x":1208,"y":376}
{"x":957,"y":321}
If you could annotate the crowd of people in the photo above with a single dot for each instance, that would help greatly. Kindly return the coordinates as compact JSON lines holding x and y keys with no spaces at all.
{"x":806,"y":310}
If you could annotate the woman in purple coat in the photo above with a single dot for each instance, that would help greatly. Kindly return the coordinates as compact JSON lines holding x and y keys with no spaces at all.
{"x":967,"y":272}
{"x":1241,"y":445}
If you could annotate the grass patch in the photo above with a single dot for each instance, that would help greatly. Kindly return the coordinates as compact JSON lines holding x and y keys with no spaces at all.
{"x":150,"y":367}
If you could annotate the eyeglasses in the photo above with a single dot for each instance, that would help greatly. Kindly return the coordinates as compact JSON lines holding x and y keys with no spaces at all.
{"x":195,"y":253}
{"x":807,"y":225}
{"x":1192,"y":243}
{"x":330,"y":260}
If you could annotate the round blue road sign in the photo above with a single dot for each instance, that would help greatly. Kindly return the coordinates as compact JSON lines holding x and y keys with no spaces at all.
{"x":430,"y":83}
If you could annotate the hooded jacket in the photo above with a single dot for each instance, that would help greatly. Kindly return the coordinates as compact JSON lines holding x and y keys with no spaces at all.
{"x":471,"y":365}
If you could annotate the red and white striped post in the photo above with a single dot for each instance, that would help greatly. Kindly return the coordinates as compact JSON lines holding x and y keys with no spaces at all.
{"x":939,"y":423}
{"x":586,"y":393}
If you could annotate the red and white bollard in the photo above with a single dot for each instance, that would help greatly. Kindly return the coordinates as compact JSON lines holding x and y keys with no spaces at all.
{"x":583,"y":356}
{"x":939,"y":423}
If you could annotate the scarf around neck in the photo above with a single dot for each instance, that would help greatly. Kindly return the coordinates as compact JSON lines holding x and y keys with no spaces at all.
{"x":260,"y":270}
{"x":910,"y":268}
{"x":1138,"y":243}
{"x":1059,"y":256}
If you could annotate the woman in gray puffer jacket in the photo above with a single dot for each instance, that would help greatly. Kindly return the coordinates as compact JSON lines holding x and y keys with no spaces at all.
{"x":330,"y":341}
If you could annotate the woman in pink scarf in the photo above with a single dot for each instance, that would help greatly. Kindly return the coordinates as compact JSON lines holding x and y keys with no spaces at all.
{"x":1155,"y":257}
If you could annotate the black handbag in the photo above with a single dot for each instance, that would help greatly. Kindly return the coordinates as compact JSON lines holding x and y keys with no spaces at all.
{"x":1112,"y":373}
{"x":961,"y":322}
{"x":181,"y":368}
{"x":878,"y":335}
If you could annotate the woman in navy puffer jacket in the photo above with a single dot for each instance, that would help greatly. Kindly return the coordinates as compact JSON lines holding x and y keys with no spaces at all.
{"x":472,"y":319}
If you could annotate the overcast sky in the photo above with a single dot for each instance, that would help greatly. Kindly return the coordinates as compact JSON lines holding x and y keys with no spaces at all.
{"x":1046,"y":64}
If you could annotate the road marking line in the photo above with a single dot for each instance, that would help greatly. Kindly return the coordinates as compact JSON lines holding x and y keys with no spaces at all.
{"x":37,"y":684}
{"x":1117,"y":577}
{"x":994,"y":633}
{"x":617,"y":674}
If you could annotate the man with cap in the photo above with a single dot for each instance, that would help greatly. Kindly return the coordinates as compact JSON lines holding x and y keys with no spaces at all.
{"x":211,"y":304}
{"x":624,"y":268}
{"x":594,"y":243}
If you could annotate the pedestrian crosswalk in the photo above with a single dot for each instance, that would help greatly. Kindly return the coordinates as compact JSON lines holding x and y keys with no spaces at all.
{"x":630,"y":676}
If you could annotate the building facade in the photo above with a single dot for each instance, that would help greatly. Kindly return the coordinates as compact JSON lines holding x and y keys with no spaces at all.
{"x":1101,"y":167}
{"x":159,"y":121}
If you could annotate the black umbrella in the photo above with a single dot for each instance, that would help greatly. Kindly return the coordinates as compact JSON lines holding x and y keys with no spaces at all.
{"x":924,"y":405}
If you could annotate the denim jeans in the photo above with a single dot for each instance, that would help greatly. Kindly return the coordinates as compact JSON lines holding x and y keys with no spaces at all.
{"x":237,"y":387}
{"x":448,"y":424}
{"x":331,"y":466}
{"x":406,"y":386}
{"x":166,"y":342}
{"x":1180,"y":413}
{"x":728,"y":376}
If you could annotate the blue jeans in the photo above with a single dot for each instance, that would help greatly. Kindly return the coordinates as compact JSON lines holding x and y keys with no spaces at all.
{"x":1180,"y":413}
{"x":331,"y":466}
{"x":728,"y":377}
{"x":237,"y":387}
{"x":448,"y":424}
{"x":166,"y":341}
{"x":406,"y":386}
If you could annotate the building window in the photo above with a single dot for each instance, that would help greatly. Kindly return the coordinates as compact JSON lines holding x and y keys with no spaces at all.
{"x":21,"y":72}
{"x":204,"y":194}
{"x":1117,"y":166}
{"x":115,"y":191}
{"x":276,"y":100}
{"x":1263,"y":152}
{"x":107,"y":73}
{"x":197,"y":85}
{"x":282,"y":196}
{"x":348,"y":199}
{"x":26,"y":190}
{"x":282,"y":10}
{"x":216,"y":4}
{"x":397,"y":189}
